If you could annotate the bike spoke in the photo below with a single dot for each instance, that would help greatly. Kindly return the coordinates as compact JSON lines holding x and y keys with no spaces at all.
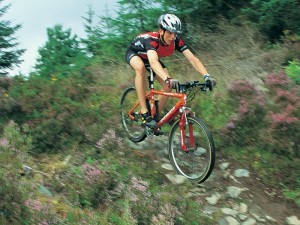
{"x":196,"y":163}
{"x":133,"y":128}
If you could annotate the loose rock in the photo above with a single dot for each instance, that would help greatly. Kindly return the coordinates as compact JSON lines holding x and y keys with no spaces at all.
{"x":269,"y":218}
{"x":250,"y":221}
{"x":177,"y":179}
{"x":167,"y":166}
{"x":241,"y":173}
{"x":229,"y":212}
{"x":224,"y":166}
{"x":228,"y":221}
{"x":292,"y":220}
{"x":213,"y":199}
{"x":243,"y":208}
{"x":234,"y":192}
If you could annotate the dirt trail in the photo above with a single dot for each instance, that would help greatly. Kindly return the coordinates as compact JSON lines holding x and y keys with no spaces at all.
{"x":259,"y":198}
{"x":262,"y":201}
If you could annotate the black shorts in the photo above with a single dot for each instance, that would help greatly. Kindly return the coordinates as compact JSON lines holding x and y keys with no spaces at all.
{"x":130,"y":53}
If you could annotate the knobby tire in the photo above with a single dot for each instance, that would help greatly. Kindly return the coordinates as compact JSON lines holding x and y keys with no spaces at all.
{"x":135,"y":132}
{"x":197,"y":163}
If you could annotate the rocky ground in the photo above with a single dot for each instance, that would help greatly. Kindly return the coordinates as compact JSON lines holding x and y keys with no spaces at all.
{"x":232,"y":195}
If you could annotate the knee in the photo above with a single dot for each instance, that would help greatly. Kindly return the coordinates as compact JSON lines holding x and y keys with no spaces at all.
{"x":168,"y":90}
{"x":140,"y":70}
{"x":165,"y":88}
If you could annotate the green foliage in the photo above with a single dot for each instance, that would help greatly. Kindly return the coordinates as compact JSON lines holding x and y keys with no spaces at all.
{"x":203,"y":13}
{"x":95,"y":36}
{"x":15,"y":143}
{"x":293,"y":71}
{"x":89,"y":184}
{"x":244,"y":128}
{"x":113,"y":180}
{"x":69,"y":108}
{"x":42,"y":212}
{"x":62,"y":111}
{"x":275,"y":16}
{"x":284,"y":115}
{"x":134,"y":17}
{"x":112,"y":35}
{"x":261,"y":123}
{"x":8,"y":105}
{"x":60,"y":55}
{"x":283,"y":176}
{"x":13,"y":190}
{"x":267,"y":128}
{"x":293,"y":194}
{"x":9,"y":54}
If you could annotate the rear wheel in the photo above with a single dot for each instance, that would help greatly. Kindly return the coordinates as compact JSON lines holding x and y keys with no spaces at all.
{"x":133,"y":128}
{"x":198,"y":161}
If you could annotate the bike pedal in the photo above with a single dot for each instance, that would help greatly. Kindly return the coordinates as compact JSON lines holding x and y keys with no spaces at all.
{"x":149,"y":131}
{"x":136,"y":116}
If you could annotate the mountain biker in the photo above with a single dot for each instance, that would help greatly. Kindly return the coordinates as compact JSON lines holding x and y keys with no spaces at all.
{"x":147,"y":49}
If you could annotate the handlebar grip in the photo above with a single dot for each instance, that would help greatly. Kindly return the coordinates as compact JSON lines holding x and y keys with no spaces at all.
{"x":209,"y":84}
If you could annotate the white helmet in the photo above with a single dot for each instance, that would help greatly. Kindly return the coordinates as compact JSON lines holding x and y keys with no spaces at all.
{"x":170,"y":22}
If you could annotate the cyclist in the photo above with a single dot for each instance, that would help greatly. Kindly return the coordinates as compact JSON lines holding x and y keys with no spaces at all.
{"x":147,"y":49}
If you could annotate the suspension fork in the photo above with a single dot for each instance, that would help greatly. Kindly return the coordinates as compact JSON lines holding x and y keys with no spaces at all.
{"x":182,"y":123}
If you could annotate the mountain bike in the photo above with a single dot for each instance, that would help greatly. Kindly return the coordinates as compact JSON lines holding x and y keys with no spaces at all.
{"x":190,"y":144}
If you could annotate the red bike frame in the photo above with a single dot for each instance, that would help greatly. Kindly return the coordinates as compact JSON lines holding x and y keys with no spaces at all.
{"x":178,"y":108}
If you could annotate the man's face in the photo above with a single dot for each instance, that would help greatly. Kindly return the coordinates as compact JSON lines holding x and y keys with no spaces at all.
{"x":169,"y":37}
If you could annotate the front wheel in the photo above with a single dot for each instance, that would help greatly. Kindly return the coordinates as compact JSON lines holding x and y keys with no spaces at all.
{"x":131,"y":123}
{"x":196,"y":162}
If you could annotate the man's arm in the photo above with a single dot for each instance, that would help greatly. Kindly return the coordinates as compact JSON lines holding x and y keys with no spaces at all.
{"x":197,"y":64}
{"x":155,"y":65}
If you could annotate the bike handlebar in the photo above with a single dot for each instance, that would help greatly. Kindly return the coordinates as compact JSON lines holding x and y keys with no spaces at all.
{"x":207,"y":85}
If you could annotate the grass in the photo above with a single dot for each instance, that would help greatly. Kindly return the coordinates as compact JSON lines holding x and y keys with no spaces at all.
{"x":119,"y":200}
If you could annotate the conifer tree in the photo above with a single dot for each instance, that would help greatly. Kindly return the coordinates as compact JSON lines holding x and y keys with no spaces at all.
{"x":60,"y":54}
{"x":94,"y":35}
{"x":114,"y":33}
{"x":9,"y":53}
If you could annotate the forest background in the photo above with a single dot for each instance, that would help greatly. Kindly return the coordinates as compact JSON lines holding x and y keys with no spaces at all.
{"x":68,"y":107}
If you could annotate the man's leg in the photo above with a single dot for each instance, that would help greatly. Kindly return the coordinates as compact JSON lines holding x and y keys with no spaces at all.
{"x":163,"y":99}
{"x":140,"y":82}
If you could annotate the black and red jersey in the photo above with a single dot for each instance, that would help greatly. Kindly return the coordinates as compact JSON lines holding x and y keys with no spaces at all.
{"x":151,"y":41}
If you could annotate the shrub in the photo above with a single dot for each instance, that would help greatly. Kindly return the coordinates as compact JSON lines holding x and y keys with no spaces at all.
{"x":293,"y":194}
{"x":249,"y":105}
{"x":13,"y":190}
{"x":62,"y":112}
{"x":91,"y":182}
{"x":88,"y":185}
{"x":42,"y":212}
{"x":277,"y":80}
{"x":284,"y":114}
{"x":272,"y":125}
{"x":8,"y":105}
{"x":293,"y":71}
{"x":268,"y":16}
{"x":242,"y":88}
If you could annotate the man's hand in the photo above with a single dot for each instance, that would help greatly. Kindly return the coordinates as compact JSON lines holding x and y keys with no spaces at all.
{"x":172,"y":83}
{"x":210,"y":81}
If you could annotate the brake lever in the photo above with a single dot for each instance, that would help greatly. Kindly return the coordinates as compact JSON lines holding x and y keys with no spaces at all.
{"x":203,"y":88}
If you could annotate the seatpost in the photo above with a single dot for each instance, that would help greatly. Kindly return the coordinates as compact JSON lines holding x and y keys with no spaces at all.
{"x":151,"y":78}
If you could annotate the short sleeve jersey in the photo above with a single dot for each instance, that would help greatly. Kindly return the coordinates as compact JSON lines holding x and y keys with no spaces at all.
{"x":150,"y":41}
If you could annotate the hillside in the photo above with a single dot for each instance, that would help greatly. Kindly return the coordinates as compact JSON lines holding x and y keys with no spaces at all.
{"x":65,"y":158}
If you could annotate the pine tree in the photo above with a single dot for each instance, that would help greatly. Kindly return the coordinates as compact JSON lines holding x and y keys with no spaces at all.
{"x":61,"y":53}
{"x":94,"y":34}
{"x":116,"y":32}
{"x":9,"y":54}
{"x":133,"y":17}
